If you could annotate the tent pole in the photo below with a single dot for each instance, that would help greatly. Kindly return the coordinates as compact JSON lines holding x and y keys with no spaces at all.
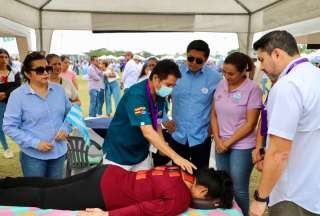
{"x":40,"y":30}
{"x":41,"y":24}
{"x":249,"y":35}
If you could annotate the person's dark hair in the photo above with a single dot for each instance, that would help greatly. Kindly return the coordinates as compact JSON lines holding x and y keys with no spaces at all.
{"x":242,"y":62}
{"x":93,"y":57}
{"x":4,"y":51}
{"x":27,"y":63}
{"x":219,"y":185}
{"x":164,"y":68}
{"x":199,"y":45}
{"x":152,"y":58}
{"x":51,"y":56}
{"x":63,"y":57}
{"x":143,"y":70}
{"x":129,"y":53}
{"x":105,"y":63}
{"x":277,"y":39}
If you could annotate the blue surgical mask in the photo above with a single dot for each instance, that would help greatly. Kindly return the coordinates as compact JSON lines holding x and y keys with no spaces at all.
{"x":164,"y":91}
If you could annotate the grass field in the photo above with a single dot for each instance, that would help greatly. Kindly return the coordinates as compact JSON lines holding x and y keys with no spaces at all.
{"x":11,"y":167}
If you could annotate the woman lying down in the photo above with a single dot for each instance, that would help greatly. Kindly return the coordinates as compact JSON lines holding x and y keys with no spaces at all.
{"x":111,"y":190}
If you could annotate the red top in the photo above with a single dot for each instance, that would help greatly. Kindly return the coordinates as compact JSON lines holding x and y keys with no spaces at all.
{"x":160,"y":191}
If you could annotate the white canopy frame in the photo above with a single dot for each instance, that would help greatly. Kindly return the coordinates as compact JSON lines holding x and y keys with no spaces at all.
{"x":244,"y":17}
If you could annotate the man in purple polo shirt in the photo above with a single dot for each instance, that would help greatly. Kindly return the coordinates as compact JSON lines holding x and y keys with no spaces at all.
{"x":95,"y":84}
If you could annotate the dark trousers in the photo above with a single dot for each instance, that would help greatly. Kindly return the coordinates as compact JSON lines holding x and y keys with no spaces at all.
{"x":158,"y":159}
{"x":74,"y":193}
{"x":199,"y":155}
{"x":286,"y":208}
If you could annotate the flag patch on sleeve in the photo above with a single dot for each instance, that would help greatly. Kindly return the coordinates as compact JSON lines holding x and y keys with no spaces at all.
{"x":140,"y":110}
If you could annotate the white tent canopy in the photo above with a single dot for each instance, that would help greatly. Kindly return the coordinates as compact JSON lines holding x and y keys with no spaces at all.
{"x":244,"y":17}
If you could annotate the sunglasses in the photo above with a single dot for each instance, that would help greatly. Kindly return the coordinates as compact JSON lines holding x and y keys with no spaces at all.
{"x":191,"y":59}
{"x":41,"y":70}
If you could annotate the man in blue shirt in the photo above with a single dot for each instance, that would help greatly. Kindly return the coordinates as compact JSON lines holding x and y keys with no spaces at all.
{"x":191,"y":106}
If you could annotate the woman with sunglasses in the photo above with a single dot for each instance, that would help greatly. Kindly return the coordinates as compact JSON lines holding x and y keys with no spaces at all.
{"x":71,"y":92}
{"x":34,"y":119}
{"x":234,"y":117}
{"x":9,"y":80}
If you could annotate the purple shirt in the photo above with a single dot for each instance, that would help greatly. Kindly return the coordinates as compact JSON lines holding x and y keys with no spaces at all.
{"x":231,"y":108}
{"x":95,"y":76}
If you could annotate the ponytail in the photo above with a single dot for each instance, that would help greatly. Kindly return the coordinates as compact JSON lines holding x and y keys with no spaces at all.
{"x":227,"y":192}
{"x":220,"y":187}
{"x":242,"y":62}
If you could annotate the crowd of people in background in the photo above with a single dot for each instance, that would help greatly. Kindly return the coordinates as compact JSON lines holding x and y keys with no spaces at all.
{"x":181,"y":110}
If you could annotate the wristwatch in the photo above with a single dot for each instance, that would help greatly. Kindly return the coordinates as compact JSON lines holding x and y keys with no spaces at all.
{"x":260,"y":199}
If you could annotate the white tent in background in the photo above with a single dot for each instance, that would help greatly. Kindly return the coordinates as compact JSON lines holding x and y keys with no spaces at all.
{"x":121,"y":58}
{"x":167,"y":57}
{"x":103,"y":57}
{"x":111,"y":57}
{"x":314,"y":57}
{"x":180,"y":58}
{"x":210,"y":60}
{"x":243,"y":17}
{"x":141,"y":58}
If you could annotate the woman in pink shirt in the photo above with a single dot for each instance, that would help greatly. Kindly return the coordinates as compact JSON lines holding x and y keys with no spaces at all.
{"x":66,"y":73}
{"x":235,"y":112}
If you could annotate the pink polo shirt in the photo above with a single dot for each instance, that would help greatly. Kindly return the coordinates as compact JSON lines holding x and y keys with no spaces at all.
{"x":69,"y":75}
{"x":231,"y":108}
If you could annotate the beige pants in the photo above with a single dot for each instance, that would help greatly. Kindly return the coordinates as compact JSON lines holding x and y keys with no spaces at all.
{"x":286,"y":208}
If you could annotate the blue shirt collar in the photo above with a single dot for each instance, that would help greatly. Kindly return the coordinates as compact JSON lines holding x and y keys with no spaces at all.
{"x":198,"y":72}
{"x":29,"y":90}
{"x":184,"y":67}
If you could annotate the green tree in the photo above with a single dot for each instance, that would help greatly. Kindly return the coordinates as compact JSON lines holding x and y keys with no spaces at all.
{"x":303,"y":49}
{"x":145,"y":54}
{"x":104,"y":51}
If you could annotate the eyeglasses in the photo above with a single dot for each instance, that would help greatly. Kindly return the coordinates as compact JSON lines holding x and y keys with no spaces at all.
{"x":191,"y":59}
{"x":41,"y":70}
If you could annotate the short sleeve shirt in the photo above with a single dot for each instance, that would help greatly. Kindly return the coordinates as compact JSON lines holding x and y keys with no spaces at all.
{"x":69,"y":75}
{"x":69,"y":88}
{"x":125,"y":143}
{"x":293,"y":113}
{"x":232,"y":107}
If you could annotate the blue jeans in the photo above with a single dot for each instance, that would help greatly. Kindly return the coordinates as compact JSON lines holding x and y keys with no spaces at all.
{"x":31,"y":166}
{"x":100,"y":101}
{"x":93,"y":107}
{"x":238,"y":164}
{"x":112,"y":88}
{"x":2,"y":135}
